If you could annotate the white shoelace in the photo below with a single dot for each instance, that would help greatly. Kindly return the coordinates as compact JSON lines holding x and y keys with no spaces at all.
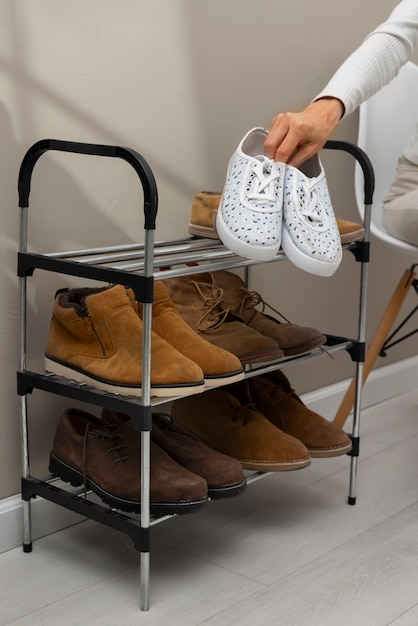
{"x":311,"y":211}
{"x":265,"y":177}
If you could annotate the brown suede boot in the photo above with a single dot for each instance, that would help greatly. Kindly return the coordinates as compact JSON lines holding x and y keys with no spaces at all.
{"x":292,"y":339}
{"x":230,"y":424}
{"x":205,"y":207}
{"x":276,"y":399}
{"x":95,"y":337}
{"x":219,"y":366}
{"x":223,"y":474}
{"x":199,"y":302}
{"x":106,"y":458}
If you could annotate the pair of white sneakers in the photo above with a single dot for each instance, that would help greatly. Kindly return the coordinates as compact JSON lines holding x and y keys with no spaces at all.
{"x":266,"y":204}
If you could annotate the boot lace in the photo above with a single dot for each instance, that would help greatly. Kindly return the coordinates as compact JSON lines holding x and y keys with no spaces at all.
{"x":165,"y":422}
{"x":214,"y":314}
{"x":241,"y":413}
{"x":108,"y":436}
{"x":251,"y":299}
{"x":264,"y":178}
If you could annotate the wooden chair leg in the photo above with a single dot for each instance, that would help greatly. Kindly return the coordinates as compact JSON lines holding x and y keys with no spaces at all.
{"x":388,"y":319}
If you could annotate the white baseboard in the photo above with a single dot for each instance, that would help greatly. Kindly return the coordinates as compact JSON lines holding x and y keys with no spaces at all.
{"x":48,"y":517}
{"x":383,"y":383}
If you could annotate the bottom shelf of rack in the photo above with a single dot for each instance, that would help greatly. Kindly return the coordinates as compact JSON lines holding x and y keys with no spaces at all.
{"x":88,"y":505}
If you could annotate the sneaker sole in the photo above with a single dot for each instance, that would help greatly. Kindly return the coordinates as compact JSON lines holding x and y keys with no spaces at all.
{"x":69,"y":474}
{"x":248,"y":251}
{"x":304,"y":262}
{"x":164,"y":391}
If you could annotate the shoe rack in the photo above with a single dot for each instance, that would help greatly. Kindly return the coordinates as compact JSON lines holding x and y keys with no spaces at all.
{"x":137,"y":266}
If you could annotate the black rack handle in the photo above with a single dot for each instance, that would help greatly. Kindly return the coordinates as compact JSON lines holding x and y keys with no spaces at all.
{"x":134,"y":159}
{"x":364,"y":162}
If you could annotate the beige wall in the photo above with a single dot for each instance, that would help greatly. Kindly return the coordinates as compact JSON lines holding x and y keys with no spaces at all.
{"x":180,"y":81}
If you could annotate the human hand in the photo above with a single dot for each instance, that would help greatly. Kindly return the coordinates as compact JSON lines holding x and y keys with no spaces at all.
{"x":295,"y":137}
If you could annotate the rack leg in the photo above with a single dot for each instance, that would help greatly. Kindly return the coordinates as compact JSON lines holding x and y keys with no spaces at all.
{"x":383,"y":329}
{"x":27,"y":535}
{"x":27,"y":526}
{"x":145,"y":578}
{"x":145,"y":520}
{"x":353,"y":481}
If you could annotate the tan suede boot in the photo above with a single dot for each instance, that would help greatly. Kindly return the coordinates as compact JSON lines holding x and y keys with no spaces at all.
{"x":106,"y":458}
{"x":205,"y":207}
{"x":292,"y":339}
{"x":95,"y":337}
{"x":230,"y":424}
{"x":203,"y":216}
{"x":276,"y":399}
{"x":199,"y":301}
{"x":219,"y":366}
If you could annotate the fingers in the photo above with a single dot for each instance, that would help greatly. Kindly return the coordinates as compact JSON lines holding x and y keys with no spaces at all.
{"x":295,"y":137}
{"x":284,"y":137}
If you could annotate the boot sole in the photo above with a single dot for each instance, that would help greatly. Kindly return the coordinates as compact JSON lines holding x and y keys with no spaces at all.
{"x":61,"y":369}
{"x":224,"y":379}
{"x":261,"y":357}
{"x":285,"y":466}
{"x":69,"y":474}
{"x":227,"y":491}
{"x":307,"y":347}
{"x":327,"y":453}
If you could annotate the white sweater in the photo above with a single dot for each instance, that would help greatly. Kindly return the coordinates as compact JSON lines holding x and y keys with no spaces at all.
{"x":376,"y":62}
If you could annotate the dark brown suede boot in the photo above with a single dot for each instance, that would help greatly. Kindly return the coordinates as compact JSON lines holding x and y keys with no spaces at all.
{"x":223,"y":474}
{"x":199,"y":302}
{"x":106,"y":458}
{"x":95,"y":337}
{"x":229,"y":423}
{"x":275,"y":398}
{"x":219,"y":366}
{"x":293,"y":339}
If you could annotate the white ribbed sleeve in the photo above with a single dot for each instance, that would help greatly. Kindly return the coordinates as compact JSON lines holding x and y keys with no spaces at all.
{"x":378,"y":60}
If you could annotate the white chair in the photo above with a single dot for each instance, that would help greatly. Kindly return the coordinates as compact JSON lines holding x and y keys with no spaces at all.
{"x":386,"y":121}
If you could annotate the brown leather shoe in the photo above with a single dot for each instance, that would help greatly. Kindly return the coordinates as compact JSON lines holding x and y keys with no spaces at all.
{"x":292,"y":339}
{"x":275,"y":398}
{"x":223,"y":474}
{"x":219,"y":366}
{"x":106,"y":459}
{"x":229,"y":423}
{"x":95,"y":337}
{"x":199,"y":302}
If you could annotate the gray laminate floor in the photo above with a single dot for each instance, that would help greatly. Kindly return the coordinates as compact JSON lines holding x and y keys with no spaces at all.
{"x":289,"y":552}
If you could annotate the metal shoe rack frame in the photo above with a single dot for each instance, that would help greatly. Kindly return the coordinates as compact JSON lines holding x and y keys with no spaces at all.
{"x":137,"y":266}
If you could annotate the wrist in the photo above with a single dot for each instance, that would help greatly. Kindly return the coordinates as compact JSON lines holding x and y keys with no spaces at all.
{"x":331,"y":108}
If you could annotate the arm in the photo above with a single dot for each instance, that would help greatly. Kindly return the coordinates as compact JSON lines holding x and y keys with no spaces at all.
{"x":294,"y":137}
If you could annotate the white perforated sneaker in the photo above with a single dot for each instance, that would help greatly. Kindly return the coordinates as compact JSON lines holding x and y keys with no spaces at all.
{"x":249,"y":219}
{"x":310,"y":236}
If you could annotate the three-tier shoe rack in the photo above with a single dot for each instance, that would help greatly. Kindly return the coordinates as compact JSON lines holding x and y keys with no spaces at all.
{"x":137,"y":266}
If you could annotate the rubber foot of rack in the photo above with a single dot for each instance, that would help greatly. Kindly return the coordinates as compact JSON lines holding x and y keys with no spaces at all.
{"x":27,"y":547}
{"x":351,"y":500}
